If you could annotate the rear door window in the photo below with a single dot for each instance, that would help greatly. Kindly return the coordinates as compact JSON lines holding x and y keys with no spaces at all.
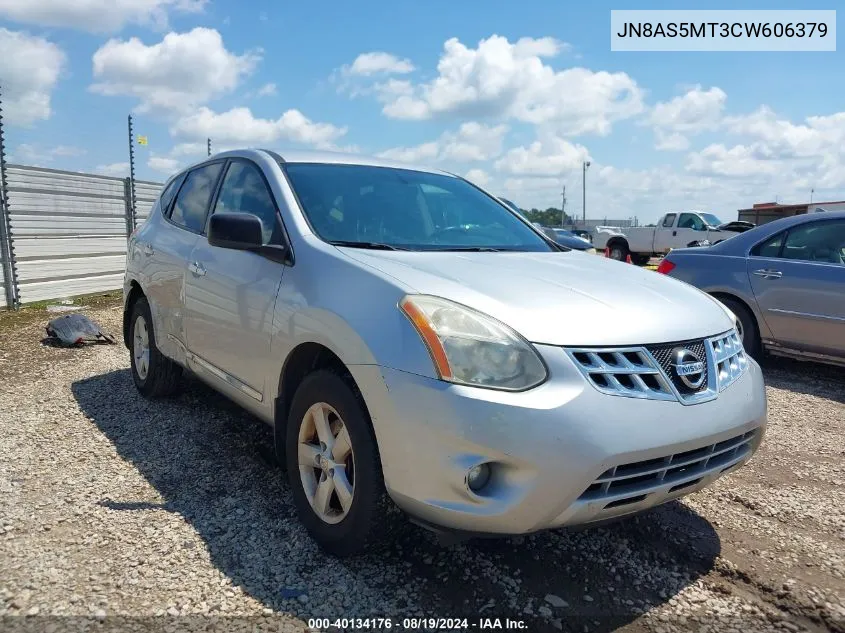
{"x":169,"y":194}
{"x":669,"y":220}
{"x":191,"y":206}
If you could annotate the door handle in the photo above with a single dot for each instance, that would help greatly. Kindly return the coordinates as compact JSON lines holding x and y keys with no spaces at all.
{"x":674,"y":233}
{"x":768,"y":273}
{"x":197,"y":269}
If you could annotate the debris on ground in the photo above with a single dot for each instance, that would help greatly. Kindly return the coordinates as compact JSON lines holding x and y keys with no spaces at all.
{"x":76,"y":329}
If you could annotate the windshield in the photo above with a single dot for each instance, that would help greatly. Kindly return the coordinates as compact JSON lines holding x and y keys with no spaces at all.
{"x":711,"y":219}
{"x":359,"y":205}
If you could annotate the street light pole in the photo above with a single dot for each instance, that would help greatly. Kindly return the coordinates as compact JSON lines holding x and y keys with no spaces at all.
{"x":584,"y":166}
{"x":563,"y":206}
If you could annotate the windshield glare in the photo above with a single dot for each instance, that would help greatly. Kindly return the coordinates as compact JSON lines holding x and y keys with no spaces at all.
{"x":405,"y":209}
{"x":711,"y":219}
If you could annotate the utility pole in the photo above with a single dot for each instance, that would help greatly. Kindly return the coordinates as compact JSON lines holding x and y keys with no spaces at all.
{"x":563,"y":206}
{"x":584,"y":166}
{"x":209,"y":146}
{"x":812,"y":191}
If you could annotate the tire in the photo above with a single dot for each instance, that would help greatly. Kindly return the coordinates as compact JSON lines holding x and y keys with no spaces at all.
{"x":154,"y":374}
{"x":619,"y":251}
{"x":341,"y":530}
{"x":640,"y":260}
{"x":748,"y":325}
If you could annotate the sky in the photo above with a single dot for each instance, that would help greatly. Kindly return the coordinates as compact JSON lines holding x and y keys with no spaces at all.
{"x":513,"y":95}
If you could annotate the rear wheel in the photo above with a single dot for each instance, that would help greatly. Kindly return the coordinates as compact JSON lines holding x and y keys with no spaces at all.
{"x":154,"y":374}
{"x":746,"y":326}
{"x":333,"y":466}
{"x":640,"y":260}
{"x":619,"y":251}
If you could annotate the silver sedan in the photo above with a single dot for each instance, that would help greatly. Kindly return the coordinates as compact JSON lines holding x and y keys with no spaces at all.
{"x":785,"y":282}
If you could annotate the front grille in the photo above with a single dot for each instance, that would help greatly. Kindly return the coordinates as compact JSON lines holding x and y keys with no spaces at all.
{"x":729,"y":358}
{"x":663,"y":355}
{"x":631,"y":483}
{"x":647,"y":371}
{"x":623,"y":372}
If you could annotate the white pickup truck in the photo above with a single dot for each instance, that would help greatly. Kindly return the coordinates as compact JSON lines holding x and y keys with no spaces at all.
{"x":673,"y":230}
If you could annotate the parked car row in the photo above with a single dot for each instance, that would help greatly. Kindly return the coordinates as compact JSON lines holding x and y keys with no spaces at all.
{"x":415,"y":341}
{"x":784,"y":281}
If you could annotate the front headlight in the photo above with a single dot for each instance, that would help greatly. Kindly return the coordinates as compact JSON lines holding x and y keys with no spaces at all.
{"x":471,"y":348}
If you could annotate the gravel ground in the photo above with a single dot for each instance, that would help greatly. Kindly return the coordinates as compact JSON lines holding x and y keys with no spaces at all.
{"x":123,"y":514}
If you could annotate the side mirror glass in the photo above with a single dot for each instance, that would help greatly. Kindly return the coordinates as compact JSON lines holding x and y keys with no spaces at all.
{"x":239,"y":231}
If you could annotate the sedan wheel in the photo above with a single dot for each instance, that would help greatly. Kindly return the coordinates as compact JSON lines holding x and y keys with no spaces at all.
{"x":326,"y":463}
{"x":141,"y":347}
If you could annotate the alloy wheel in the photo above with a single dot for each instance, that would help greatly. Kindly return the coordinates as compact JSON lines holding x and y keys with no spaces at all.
{"x":141,"y":347}
{"x":326,"y":463}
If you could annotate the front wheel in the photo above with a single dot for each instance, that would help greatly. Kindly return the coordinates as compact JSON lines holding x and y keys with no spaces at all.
{"x":333,"y":466}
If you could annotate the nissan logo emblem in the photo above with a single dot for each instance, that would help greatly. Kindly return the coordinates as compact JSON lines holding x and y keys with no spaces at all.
{"x":689,"y":368}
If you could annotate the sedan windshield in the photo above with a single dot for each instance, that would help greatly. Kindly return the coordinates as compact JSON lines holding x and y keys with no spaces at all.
{"x":400,"y":209}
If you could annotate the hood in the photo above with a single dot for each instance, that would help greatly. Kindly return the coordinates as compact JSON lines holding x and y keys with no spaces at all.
{"x":563,"y":298}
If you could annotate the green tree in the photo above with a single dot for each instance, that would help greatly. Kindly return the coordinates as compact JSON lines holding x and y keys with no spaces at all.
{"x":548,"y":217}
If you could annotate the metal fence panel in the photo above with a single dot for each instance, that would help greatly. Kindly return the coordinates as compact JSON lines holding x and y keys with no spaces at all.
{"x":69,"y":230}
{"x":145,"y":197}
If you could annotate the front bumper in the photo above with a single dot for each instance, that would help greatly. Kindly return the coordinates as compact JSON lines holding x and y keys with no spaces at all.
{"x":561,"y":454}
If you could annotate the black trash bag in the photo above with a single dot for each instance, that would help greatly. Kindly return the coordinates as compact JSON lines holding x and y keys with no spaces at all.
{"x":77,"y":329}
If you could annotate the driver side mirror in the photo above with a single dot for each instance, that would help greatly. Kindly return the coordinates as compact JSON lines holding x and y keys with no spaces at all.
{"x":238,"y":231}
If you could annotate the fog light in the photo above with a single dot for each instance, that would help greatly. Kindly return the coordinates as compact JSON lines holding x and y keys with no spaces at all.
{"x":478,"y":476}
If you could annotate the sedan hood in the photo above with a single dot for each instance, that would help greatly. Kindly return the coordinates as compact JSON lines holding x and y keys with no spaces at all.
{"x":561,"y":298}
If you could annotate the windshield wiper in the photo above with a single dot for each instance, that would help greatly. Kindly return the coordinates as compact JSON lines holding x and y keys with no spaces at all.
{"x":472,"y":249}
{"x":371,"y":245}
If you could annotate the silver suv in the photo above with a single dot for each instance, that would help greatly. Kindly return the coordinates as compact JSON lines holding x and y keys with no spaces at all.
{"x":410,"y":338}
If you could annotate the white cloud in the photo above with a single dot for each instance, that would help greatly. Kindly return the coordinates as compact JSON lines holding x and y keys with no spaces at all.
{"x":240,"y":126}
{"x":378,"y":62}
{"x":478,"y":176}
{"x":673,"y":142}
{"x":416,"y":154}
{"x":472,"y":142}
{"x":113,"y":169}
{"x":511,"y":80}
{"x":696,"y":110}
{"x":267,"y":90}
{"x":176,"y":74}
{"x":29,"y":71}
{"x":97,"y":16}
{"x":37,"y":155}
{"x":547,"y":157}
{"x":739,"y":161}
{"x":163,"y":164}
{"x":189,"y":149}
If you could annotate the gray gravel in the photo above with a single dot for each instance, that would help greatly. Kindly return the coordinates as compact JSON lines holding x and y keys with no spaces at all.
{"x":116,"y":510}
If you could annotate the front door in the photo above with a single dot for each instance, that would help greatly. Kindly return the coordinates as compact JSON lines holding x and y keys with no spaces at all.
{"x":230,"y":296}
{"x":798,"y":278}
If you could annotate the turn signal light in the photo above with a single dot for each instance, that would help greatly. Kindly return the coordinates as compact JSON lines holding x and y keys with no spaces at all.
{"x":666,"y":267}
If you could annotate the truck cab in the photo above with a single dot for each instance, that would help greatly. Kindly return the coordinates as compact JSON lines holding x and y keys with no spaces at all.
{"x":678,"y":230}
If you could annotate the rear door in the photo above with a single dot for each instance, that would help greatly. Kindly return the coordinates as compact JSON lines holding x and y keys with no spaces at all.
{"x":230,"y":295}
{"x":798,"y":278}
